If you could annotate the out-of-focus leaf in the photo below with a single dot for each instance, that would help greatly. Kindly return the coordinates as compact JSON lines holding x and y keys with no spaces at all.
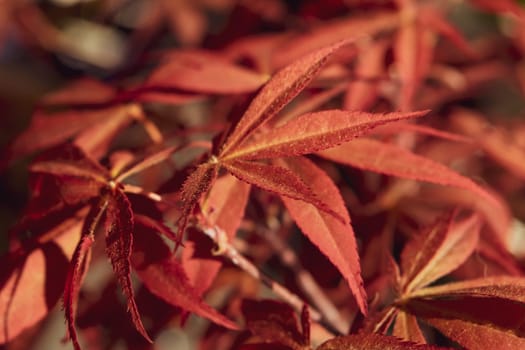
{"x":204,"y":72}
{"x":362,"y":91}
{"x":224,"y":205}
{"x":163,"y":275}
{"x":351,"y":28}
{"x":497,"y":217}
{"x":46,"y":130}
{"x":413,"y":49}
{"x":433,"y":18}
{"x":96,"y":139}
{"x":84,"y":91}
{"x":384,"y":158}
{"x":500,"y":6}
{"x":496,"y":143}
{"x":32,"y":284}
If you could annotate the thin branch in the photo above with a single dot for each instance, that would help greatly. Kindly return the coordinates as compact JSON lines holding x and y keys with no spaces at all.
{"x":329,"y":317}
{"x":306,"y":281}
{"x":227,"y":250}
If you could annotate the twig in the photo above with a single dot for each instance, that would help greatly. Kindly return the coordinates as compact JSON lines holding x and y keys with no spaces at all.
{"x":306,"y":282}
{"x":227,"y":250}
{"x":329,"y":318}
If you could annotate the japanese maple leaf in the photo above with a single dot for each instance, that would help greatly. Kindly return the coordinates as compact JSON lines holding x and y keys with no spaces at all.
{"x":275,"y":324}
{"x":93,"y":113}
{"x":81,"y":180}
{"x":475,"y":313}
{"x":262,"y":158}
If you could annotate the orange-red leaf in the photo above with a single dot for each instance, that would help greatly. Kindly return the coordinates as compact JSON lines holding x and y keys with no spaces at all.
{"x":392,"y":160}
{"x":76,"y":273}
{"x":146,"y":162}
{"x":485,"y":313}
{"x":413,"y":50}
{"x":283,"y":87}
{"x":48,"y":130}
{"x":407,"y":328}
{"x":224,"y":207}
{"x":119,"y":241}
{"x":84,"y":91}
{"x":96,"y":139}
{"x":198,"y":183}
{"x":314,"y":132}
{"x":225,"y":204}
{"x":497,"y":217}
{"x":433,"y":18}
{"x":278,"y":180}
{"x":31,"y":285}
{"x":205,"y":72}
{"x":476,"y":336}
{"x":507,"y":288}
{"x":350,"y":28}
{"x":372,"y":342}
{"x":363,"y":90}
{"x":77,"y":177}
{"x":497,"y":144}
{"x":163,"y":275}
{"x":156,"y":226}
{"x":68,"y":169}
{"x":438,"y":250}
{"x":335,"y":239}
{"x":275,"y":322}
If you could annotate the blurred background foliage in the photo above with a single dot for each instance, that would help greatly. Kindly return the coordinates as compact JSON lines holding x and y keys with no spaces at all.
{"x":48,"y":43}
